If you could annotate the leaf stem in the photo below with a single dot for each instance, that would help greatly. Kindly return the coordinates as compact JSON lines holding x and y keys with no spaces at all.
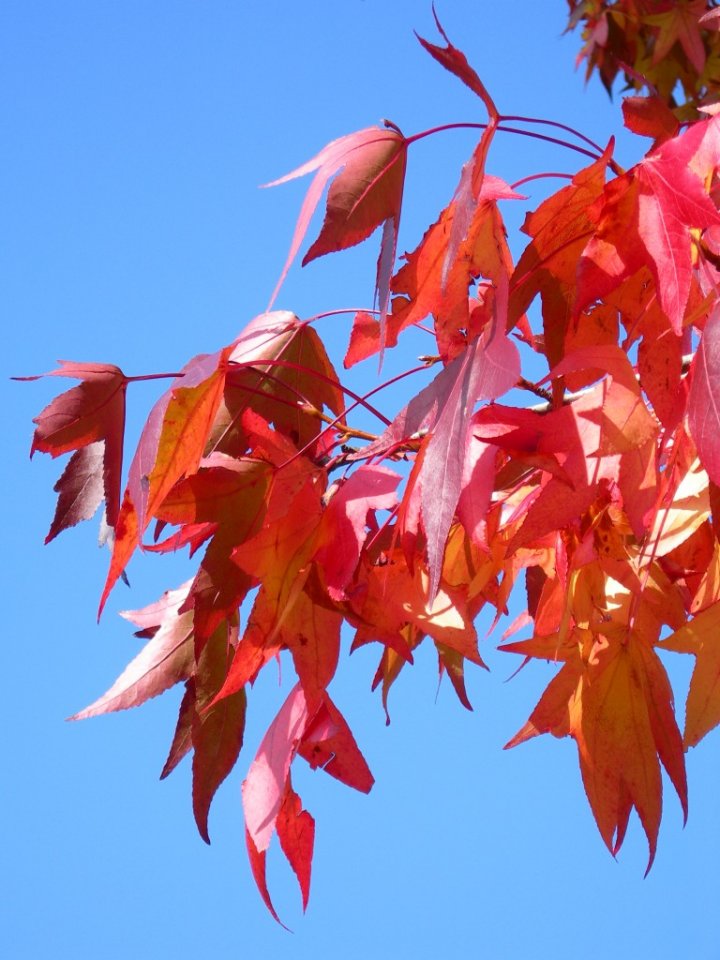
{"x":558,"y":126}
{"x":499,"y":127}
{"x":539,"y":176}
{"x":257,"y":365}
{"x":154,"y":376}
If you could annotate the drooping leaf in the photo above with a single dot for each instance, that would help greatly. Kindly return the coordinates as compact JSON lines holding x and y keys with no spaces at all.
{"x":613,"y":697}
{"x":704,"y":400}
{"x":701,"y":637}
{"x":328,"y":743}
{"x":80,"y":489}
{"x":342,"y":532}
{"x":369,"y":171}
{"x":89,"y":419}
{"x":217,"y":728}
{"x":165,"y":660}
{"x":170,"y":447}
{"x":264,"y":787}
{"x":296,"y":833}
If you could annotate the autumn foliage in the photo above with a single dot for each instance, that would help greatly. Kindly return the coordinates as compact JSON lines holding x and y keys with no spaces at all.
{"x":594,"y":487}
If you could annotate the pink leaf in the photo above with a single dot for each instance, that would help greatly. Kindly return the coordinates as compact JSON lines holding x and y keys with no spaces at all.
{"x":80,"y":489}
{"x":704,"y":399}
{"x":264,"y":786}
{"x":370,"y":488}
{"x":486,"y":369}
{"x":367,"y":191}
{"x":167,"y":659}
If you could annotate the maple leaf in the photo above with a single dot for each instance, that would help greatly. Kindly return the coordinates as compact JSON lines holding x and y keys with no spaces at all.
{"x":703,"y":408}
{"x":485,"y":370}
{"x":323,"y":738}
{"x":646,"y":217}
{"x":560,"y":229}
{"x":165,"y":660}
{"x":700,"y":638}
{"x":328,"y":743}
{"x":342,"y":532}
{"x":369,"y":171}
{"x":391,"y":604}
{"x":454,"y":61}
{"x":613,"y":697}
{"x":679,"y":24}
{"x":650,"y":117}
{"x":89,"y":419}
{"x":436,"y":276}
{"x":216,"y":728}
{"x":296,"y":833}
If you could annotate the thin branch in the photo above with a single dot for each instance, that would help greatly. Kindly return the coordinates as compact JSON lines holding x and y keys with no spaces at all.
{"x":539,"y":176}
{"x":155,"y":376}
{"x":559,"y":126}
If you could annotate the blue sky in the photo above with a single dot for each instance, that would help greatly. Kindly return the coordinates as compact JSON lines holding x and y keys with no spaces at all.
{"x":136,"y":135}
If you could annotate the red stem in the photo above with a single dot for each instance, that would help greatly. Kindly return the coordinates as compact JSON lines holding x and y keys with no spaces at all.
{"x":539,"y":176}
{"x":500,"y":127}
{"x":559,"y":126}
{"x":257,"y":364}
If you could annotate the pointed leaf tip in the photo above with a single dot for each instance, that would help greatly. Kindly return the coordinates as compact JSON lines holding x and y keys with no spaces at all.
{"x":369,"y":171}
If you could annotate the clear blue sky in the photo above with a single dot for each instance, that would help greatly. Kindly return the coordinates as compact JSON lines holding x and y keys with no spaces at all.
{"x":135,"y":135}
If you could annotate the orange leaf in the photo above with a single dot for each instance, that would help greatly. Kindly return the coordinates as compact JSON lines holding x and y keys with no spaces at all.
{"x":701,"y":637}
{"x":617,"y":704}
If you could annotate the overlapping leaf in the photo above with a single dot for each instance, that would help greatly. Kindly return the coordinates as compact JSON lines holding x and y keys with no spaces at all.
{"x":369,"y":171}
{"x":89,"y":419}
{"x":602,"y":499}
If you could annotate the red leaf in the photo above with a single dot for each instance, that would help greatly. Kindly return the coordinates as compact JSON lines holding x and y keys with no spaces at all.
{"x":170,"y":447}
{"x":257,"y":864}
{"x":490,"y":367}
{"x":217,"y":729}
{"x":296,"y":833}
{"x":650,"y":117}
{"x":367,"y":191}
{"x":264,"y":786}
{"x":342,"y":531}
{"x":82,"y":417}
{"x":704,"y":400}
{"x":455,"y":61}
{"x":485,"y":370}
{"x":328,"y":743}
{"x":311,"y":632}
{"x":80,"y":488}
{"x":182,"y":738}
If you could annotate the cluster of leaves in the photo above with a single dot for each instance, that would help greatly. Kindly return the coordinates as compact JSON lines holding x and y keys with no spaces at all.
{"x":602,"y":497}
{"x":658,"y":46}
